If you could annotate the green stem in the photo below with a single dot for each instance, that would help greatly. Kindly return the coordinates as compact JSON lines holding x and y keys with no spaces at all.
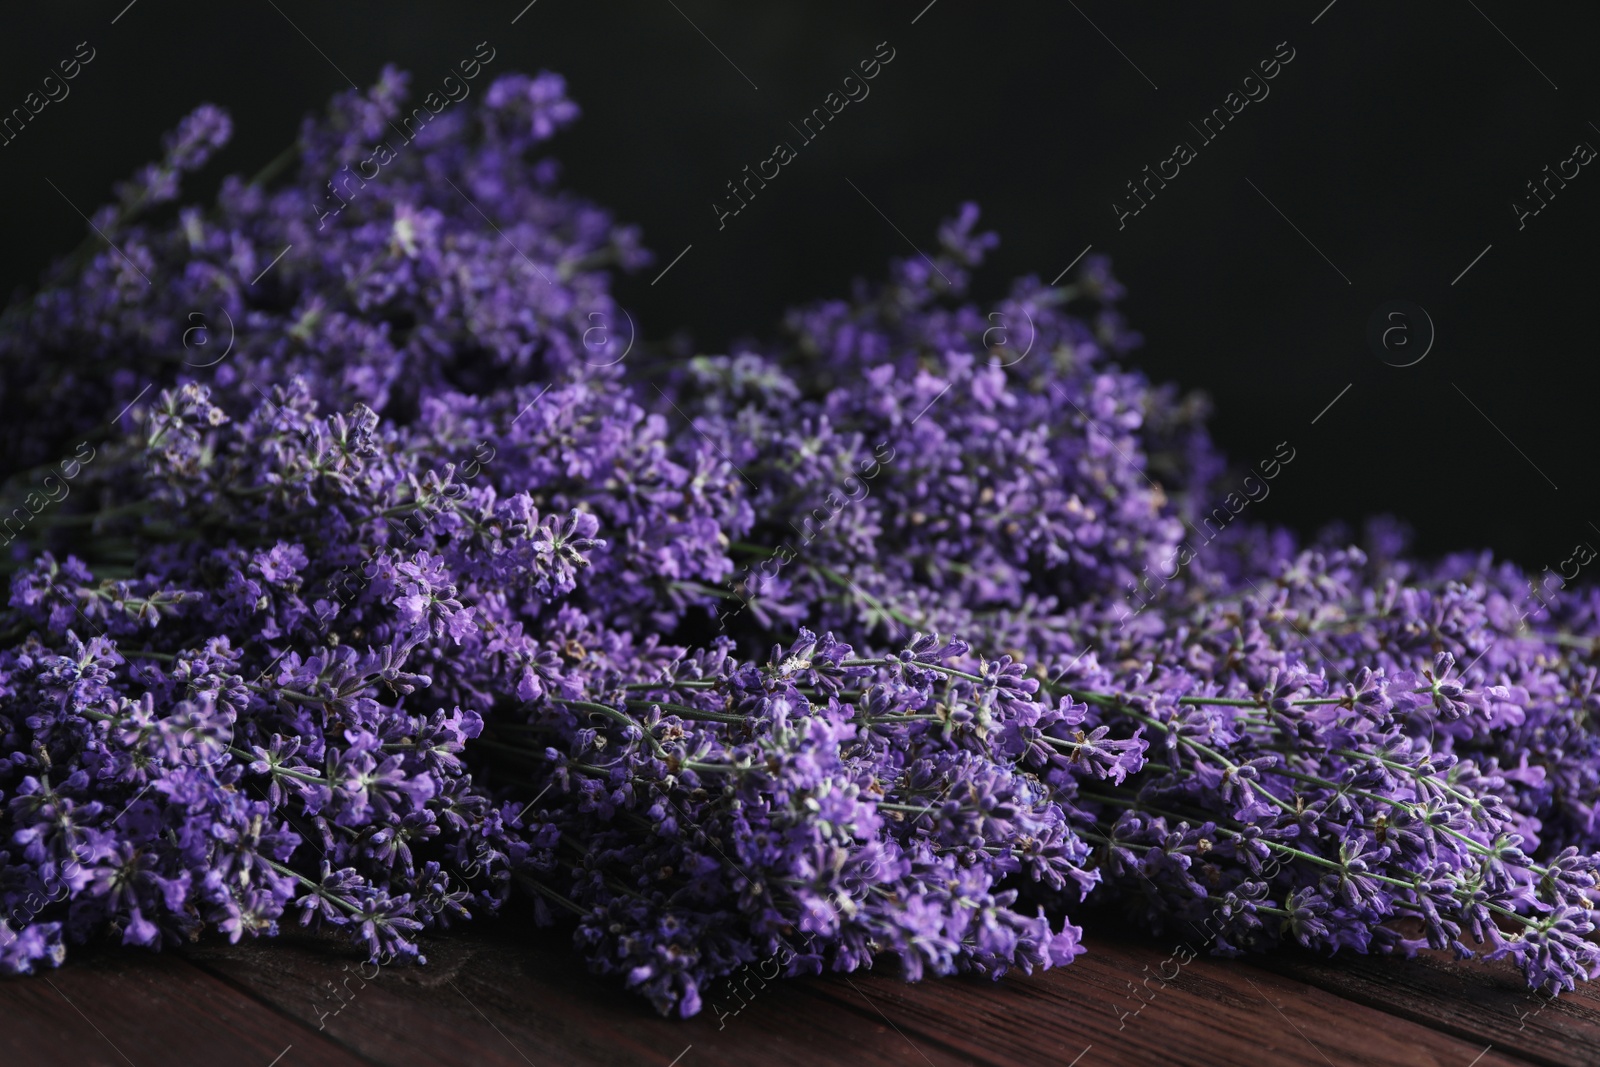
{"x":622,"y":718}
{"x":878,"y":605}
{"x":276,"y":165}
{"x":683,"y":711}
{"x":1288,"y":850}
{"x":276,"y":769}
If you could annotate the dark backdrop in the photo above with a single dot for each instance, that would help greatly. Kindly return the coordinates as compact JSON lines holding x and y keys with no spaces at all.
{"x":1384,"y":161}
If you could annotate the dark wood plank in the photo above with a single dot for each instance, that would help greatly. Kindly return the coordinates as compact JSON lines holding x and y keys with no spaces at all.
{"x":399,"y":1016}
{"x":115,"y":1009}
{"x":1483,"y":1003}
{"x":1221,"y":1012}
{"x":780,"y":1024}
{"x":504,"y":997}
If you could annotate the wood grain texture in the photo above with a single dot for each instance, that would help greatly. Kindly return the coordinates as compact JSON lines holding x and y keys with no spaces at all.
{"x":506,"y":996}
{"x":115,"y":1009}
{"x":1483,"y":1003}
{"x":515,"y":1000}
{"x":1213,"y":1012}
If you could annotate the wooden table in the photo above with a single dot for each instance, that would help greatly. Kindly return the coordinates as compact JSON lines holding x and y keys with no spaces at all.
{"x":503,"y":995}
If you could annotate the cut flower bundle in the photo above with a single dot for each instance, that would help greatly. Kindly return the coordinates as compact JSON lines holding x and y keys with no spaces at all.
{"x":418,"y":604}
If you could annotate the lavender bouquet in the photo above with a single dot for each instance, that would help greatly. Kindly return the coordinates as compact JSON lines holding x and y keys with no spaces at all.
{"x":388,"y":593}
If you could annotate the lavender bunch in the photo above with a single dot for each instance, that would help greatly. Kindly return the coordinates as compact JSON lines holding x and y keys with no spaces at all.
{"x":1303,"y":810}
{"x":956,"y":464}
{"x":228,"y":698}
{"x":416,"y":600}
{"x":1305,"y":698}
{"x":820,"y":808}
{"x":152,"y":795}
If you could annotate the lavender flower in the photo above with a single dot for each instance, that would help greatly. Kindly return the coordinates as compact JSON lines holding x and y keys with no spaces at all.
{"x":400,"y":613}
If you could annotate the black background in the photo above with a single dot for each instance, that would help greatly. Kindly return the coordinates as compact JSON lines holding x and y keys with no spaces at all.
{"x":1395,"y":141}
